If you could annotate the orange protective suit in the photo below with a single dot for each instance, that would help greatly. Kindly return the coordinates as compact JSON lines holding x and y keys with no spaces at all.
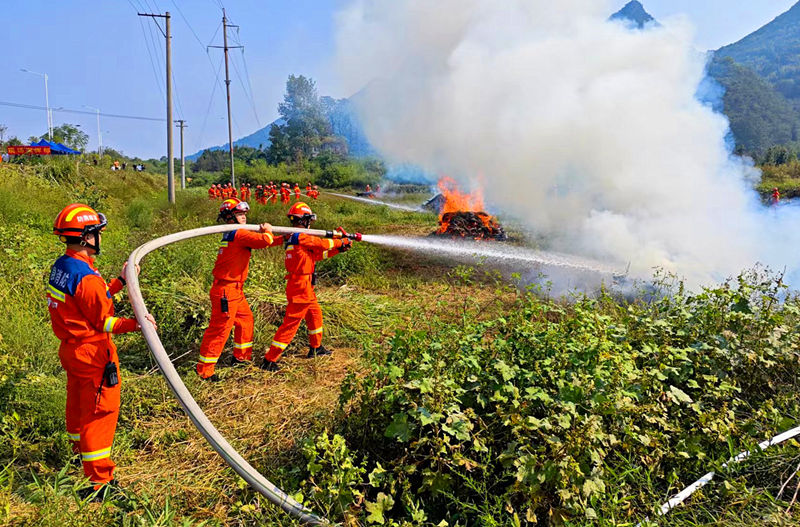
{"x":296,"y":192}
{"x":212,"y":193}
{"x":82,"y":316}
{"x":303,"y":251}
{"x":230,"y":273}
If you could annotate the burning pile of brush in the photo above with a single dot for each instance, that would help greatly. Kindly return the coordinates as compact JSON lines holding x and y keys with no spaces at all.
{"x":461,"y":215}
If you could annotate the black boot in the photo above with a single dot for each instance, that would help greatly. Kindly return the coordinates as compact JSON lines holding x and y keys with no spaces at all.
{"x":318,"y":352}
{"x":99,"y":494}
{"x":213,"y":378}
{"x":234,"y":362}
{"x":268,"y":365}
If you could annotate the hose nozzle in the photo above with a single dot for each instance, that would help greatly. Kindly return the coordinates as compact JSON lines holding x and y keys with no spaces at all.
{"x":341,"y":233}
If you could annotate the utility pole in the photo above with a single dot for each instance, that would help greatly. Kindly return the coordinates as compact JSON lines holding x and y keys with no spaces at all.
{"x":225,"y":48}
{"x":182,"y":124}
{"x":46,"y":102}
{"x":99,"y":133}
{"x":170,"y":155}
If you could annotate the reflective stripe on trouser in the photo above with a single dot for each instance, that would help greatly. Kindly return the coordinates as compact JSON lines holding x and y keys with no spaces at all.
{"x":92,"y":409}
{"x":239,"y":317}
{"x":295,"y":313}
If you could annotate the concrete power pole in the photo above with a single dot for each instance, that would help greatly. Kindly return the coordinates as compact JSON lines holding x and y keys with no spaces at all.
{"x":182,"y":124}
{"x":225,"y":48}
{"x":170,"y":155}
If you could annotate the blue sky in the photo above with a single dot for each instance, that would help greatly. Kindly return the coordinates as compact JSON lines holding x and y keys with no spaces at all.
{"x":96,"y":54}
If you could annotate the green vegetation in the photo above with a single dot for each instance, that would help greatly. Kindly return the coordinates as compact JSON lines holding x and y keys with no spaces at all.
{"x":452,"y":396}
{"x":760,"y":117}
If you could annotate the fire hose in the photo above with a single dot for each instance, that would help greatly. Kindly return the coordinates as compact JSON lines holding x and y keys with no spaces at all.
{"x":190,"y":406}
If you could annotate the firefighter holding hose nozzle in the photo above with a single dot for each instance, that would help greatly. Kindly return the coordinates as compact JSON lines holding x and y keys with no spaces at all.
{"x":303,"y":251}
{"x":229,"y":307}
{"x":82,"y":316}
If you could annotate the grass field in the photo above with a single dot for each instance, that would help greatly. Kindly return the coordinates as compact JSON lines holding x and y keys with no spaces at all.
{"x":453,"y":397}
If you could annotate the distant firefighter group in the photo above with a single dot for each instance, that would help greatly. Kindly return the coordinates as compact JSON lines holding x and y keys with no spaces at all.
{"x":263,"y":193}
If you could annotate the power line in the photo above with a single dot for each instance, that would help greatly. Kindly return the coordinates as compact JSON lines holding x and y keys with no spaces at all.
{"x":244,"y":89}
{"x":152,"y":62}
{"x":210,"y":102}
{"x":68,"y":110}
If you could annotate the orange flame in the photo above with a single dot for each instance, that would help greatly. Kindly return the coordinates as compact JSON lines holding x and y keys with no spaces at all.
{"x":455,"y":200}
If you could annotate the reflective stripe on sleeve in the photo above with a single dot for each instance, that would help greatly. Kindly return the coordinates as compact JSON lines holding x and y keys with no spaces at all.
{"x":330,"y":243}
{"x":55,"y":293}
{"x":74,"y":437}
{"x":208,"y":360}
{"x":280,"y":345}
{"x":108,"y":327}
{"x":315,"y":331}
{"x":97,"y":454}
{"x":243,"y":345}
{"x":271,"y":238}
{"x":324,"y":255}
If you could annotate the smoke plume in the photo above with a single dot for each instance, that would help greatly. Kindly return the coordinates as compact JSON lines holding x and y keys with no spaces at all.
{"x":586,"y":131}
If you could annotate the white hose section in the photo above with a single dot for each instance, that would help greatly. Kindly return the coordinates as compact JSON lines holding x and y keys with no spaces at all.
{"x":680,"y":497}
{"x":198,"y":418}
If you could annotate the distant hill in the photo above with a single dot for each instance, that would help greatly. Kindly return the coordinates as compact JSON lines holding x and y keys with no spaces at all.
{"x":344,"y":123}
{"x":759,"y":115}
{"x":773,"y":52}
{"x":762,"y":88}
{"x":634,"y":15}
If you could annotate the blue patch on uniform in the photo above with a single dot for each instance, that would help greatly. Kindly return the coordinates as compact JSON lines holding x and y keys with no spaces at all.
{"x":294,"y":239}
{"x":67,"y":273}
{"x":228,"y":236}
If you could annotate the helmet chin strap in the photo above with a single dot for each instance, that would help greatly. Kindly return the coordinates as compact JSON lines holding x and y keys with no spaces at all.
{"x":95,"y":247}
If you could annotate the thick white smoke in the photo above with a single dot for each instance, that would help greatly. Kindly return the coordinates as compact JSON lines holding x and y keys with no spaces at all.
{"x":587,"y":131}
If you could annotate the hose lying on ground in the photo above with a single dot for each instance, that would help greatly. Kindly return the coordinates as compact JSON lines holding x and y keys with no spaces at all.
{"x":198,"y":418}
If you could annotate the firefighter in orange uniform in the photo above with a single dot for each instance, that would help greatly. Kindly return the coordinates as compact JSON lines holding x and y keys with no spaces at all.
{"x":296,"y":192}
{"x":274,"y":194}
{"x":212,"y":193}
{"x":776,"y":197}
{"x":229,"y":307}
{"x":308,"y":188}
{"x":285,"y":193}
{"x":303,"y":251}
{"x":82,"y":316}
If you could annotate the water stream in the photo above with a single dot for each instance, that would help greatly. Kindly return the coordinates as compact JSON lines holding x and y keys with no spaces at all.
{"x":497,"y":253}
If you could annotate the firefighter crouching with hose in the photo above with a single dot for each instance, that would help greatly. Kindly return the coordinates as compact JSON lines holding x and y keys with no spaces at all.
{"x":82,"y":316}
{"x":303,"y":251}
{"x":229,"y":307}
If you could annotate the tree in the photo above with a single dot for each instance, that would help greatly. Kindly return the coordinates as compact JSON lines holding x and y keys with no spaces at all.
{"x":278,"y":151}
{"x":69,"y":135}
{"x":306,"y":122}
{"x":3,"y":130}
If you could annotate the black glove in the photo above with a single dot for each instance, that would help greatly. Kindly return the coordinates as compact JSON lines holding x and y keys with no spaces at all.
{"x":346,"y":245}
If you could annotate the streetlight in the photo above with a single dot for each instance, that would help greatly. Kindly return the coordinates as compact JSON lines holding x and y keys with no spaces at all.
{"x":99,"y":134}
{"x":46,"y":102}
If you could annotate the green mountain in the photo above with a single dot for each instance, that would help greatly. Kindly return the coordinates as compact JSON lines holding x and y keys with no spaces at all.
{"x":759,"y":115}
{"x":773,"y":52}
{"x":634,"y":15}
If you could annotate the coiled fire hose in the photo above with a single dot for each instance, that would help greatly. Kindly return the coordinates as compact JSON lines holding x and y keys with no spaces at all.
{"x":190,"y":406}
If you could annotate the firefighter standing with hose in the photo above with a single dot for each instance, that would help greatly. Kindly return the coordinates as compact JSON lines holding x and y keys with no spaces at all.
{"x":303,"y":251}
{"x":229,"y":307}
{"x":82,"y":317}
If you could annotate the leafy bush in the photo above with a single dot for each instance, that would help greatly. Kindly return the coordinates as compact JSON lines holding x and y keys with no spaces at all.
{"x":560,"y":411}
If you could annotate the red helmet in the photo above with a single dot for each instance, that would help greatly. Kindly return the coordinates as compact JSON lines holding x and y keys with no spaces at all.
{"x":78,"y":220}
{"x":302,"y":211}
{"x":231,"y":206}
